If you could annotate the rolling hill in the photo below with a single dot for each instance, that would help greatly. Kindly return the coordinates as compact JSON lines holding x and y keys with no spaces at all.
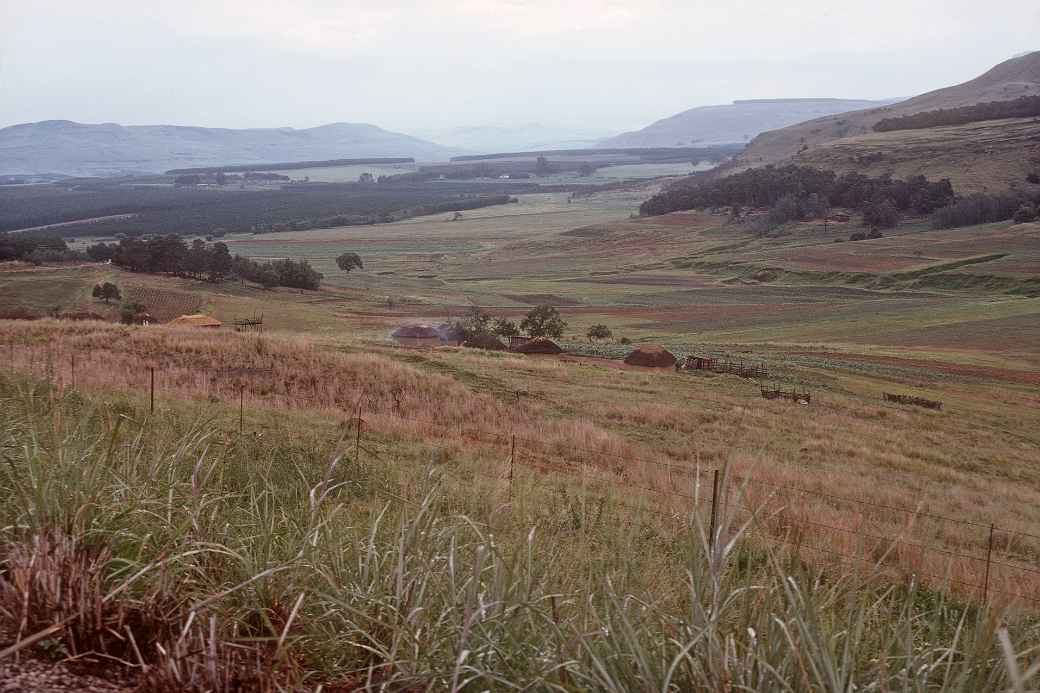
{"x":66,"y":147}
{"x":976,"y":156}
{"x":735,"y":122}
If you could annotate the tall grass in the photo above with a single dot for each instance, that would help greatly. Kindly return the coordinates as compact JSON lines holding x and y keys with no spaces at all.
{"x":209,"y":561}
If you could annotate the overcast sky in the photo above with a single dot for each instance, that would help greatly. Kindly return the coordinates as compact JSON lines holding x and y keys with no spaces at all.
{"x":417,"y":65}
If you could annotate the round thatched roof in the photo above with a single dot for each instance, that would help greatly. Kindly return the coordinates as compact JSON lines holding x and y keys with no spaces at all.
{"x":415,"y":332}
{"x":539,"y":345}
{"x":484,"y":341}
{"x":196,"y":320}
{"x":652,"y":355}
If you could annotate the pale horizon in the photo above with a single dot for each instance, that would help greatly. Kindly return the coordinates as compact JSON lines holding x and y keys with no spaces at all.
{"x":409,"y":67}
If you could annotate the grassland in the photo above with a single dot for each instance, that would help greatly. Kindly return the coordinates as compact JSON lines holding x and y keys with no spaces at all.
{"x":602,"y":451}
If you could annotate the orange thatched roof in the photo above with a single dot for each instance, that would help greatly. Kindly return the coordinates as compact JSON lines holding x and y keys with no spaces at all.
{"x":196,"y":320}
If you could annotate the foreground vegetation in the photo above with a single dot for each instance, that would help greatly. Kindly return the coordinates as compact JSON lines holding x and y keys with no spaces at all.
{"x":210,"y":561}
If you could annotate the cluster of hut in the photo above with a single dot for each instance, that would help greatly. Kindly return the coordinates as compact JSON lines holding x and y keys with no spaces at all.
{"x":646,"y":355}
{"x":447,"y":334}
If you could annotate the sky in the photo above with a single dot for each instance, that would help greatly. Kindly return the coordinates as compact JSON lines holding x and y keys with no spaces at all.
{"x":581,"y":64}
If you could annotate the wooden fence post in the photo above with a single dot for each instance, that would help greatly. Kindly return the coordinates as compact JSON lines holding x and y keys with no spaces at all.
{"x":714,"y":509}
{"x":241,"y":408}
{"x":989,"y":559}
{"x":151,"y":406}
{"x":357,"y":435}
{"x":512,"y":462}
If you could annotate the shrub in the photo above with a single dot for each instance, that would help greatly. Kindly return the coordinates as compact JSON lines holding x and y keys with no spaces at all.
{"x":1033,"y":178}
{"x":1025,"y":213}
{"x":599,"y":332}
{"x":106,"y":291}
{"x":858,"y":236}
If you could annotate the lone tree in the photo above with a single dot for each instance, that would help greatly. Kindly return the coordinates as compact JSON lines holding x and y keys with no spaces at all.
{"x":543,"y":321}
{"x":599,"y":332}
{"x":349,"y":261}
{"x":106,"y":292}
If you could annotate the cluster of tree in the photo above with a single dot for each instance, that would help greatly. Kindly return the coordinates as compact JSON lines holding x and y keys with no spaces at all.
{"x":297,"y":274}
{"x":37,"y":249}
{"x":172,"y":255}
{"x":983,"y":208}
{"x":293,"y":165}
{"x":541,"y":321}
{"x":167,"y":255}
{"x":801,"y":192}
{"x":1022,"y":107}
{"x":764,"y":187}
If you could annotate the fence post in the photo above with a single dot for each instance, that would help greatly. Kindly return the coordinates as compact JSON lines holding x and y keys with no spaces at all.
{"x":357,"y":435}
{"x":151,"y":405}
{"x":512,"y":462}
{"x":714,"y":509}
{"x":241,"y":409}
{"x":73,"y":370}
{"x":989,"y":558}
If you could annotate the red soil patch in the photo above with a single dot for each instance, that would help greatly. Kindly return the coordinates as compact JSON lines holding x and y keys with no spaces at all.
{"x":1005,"y":374}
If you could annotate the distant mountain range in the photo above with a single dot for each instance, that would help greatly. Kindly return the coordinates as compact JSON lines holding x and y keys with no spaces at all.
{"x":65,"y":147}
{"x":739,"y":121}
{"x":985,"y":155}
{"x":491,"y":139}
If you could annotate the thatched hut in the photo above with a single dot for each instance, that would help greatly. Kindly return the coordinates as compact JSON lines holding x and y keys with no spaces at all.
{"x":651,"y":355}
{"x":196,"y":320}
{"x":416,"y":336}
{"x":539,"y":345}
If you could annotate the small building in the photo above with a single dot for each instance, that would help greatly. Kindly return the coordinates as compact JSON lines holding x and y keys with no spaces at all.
{"x":196,"y":320}
{"x":416,"y":336}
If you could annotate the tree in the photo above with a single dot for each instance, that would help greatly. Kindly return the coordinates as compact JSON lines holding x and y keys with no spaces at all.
{"x":106,"y":292}
{"x":349,"y":261}
{"x":221,"y":178}
{"x":542,"y":167}
{"x":505,"y":327}
{"x":219,"y":262}
{"x":882,"y":215}
{"x":265,"y":276}
{"x":1033,"y":178}
{"x":543,"y":321}
{"x":477,"y":323}
{"x":599,"y":332}
{"x":366,"y":178}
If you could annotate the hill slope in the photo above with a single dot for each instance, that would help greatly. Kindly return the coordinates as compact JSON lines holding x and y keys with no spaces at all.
{"x":735,"y":122}
{"x":848,"y":142}
{"x":62,"y":146}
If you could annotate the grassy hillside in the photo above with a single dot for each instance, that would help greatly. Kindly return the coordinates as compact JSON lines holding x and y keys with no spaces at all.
{"x":848,"y":142}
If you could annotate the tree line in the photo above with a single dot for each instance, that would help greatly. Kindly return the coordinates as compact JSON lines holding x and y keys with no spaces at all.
{"x":794,"y":192}
{"x":171,"y":254}
{"x":1022,"y":107}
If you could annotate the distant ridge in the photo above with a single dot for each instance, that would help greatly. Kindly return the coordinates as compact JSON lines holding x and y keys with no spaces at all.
{"x":67,"y":147}
{"x":737,"y":122}
{"x":1008,"y":80}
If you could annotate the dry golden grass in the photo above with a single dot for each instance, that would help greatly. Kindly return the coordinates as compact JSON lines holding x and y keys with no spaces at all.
{"x":647,"y":432}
